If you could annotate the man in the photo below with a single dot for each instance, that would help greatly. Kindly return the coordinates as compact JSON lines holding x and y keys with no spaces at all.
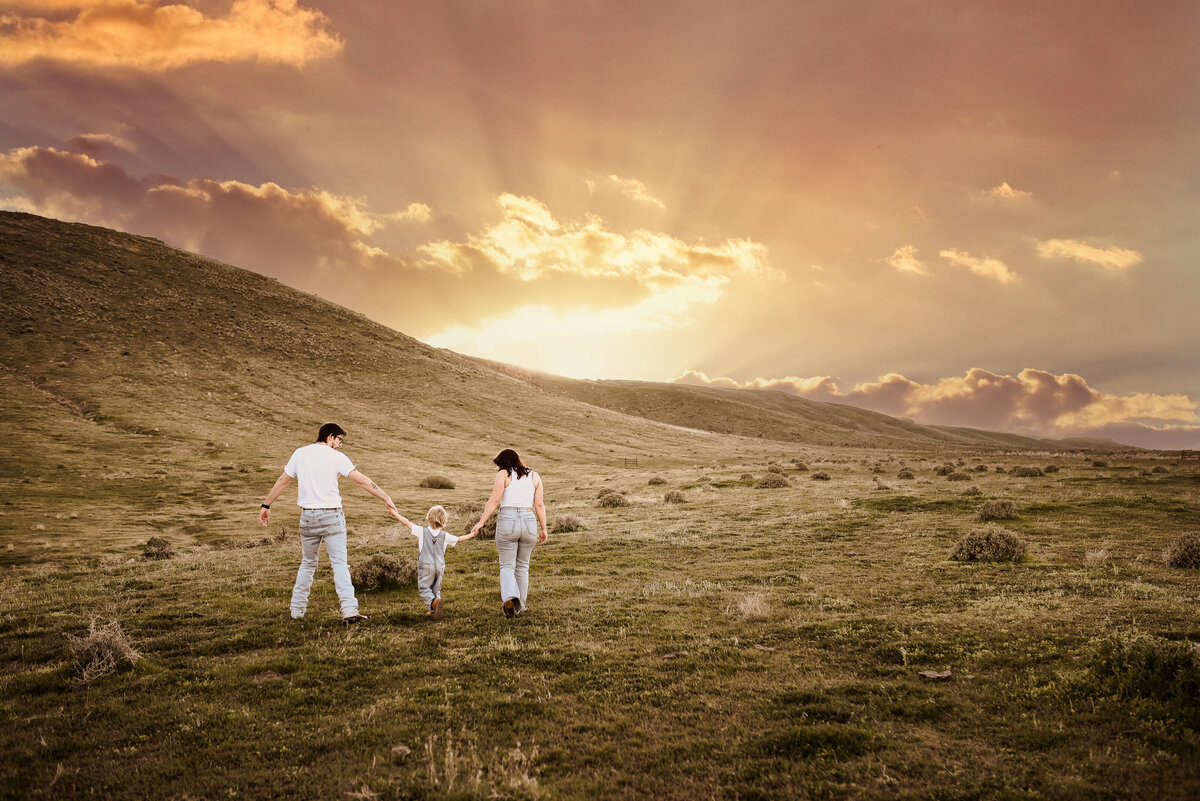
{"x":317,"y":468}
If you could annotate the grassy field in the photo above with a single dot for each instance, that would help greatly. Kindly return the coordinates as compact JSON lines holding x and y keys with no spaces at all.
{"x":744,"y":643}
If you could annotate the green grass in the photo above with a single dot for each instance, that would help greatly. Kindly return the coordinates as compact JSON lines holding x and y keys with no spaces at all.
{"x":747,"y":644}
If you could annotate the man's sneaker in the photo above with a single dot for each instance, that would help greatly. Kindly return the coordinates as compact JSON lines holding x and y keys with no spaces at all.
{"x":510,"y":607}
{"x":436,"y":609}
{"x":356,"y":618}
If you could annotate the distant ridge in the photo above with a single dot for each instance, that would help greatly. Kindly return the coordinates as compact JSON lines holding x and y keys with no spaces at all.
{"x":126,"y":333}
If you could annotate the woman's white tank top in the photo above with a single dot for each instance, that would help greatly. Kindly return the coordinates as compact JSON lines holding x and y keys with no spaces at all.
{"x":519,"y":492}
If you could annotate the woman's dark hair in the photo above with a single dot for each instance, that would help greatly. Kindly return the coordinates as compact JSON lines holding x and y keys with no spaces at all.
{"x":330,"y":430}
{"x":508,"y":460}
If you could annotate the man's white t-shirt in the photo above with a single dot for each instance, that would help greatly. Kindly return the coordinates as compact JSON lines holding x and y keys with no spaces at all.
{"x":316,"y":469}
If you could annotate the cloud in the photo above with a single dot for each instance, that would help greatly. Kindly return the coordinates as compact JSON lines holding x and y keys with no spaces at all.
{"x":1006,"y":192}
{"x":905,"y":260}
{"x":143,"y":34}
{"x":987,"y":268}
{"x":530,"y":244}
{"x":635,"y":189}
{"x":1111,"y":258}
{"x":416,"y":212}
{"x":1034,"y":402}
{"x":93,"y":144}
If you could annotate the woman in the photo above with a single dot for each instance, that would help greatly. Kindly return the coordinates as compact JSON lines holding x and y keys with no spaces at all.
{"x":517,"y":491}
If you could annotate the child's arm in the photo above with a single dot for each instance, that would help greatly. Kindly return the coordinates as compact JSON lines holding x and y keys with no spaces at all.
{"x":465,"y":537}
{"x":403,"y":520}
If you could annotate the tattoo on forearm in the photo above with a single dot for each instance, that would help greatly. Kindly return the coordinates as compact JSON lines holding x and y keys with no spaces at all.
{"x":375,"y":486}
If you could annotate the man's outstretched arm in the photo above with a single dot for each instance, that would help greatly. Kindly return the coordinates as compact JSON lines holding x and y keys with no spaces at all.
{"x":373,"y":488}
{"x":264,"y":515}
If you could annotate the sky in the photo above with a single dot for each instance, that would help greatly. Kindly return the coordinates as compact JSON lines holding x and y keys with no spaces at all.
{"x":980,"y":214}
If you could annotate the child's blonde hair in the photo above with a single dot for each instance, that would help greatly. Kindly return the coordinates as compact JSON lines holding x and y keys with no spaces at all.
{"x":437,"y":517}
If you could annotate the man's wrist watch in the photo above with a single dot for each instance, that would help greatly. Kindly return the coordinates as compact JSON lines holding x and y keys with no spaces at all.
{"x":265,"y":505}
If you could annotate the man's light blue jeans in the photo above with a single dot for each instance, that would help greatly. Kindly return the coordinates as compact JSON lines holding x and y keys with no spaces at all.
{"x":328,"y":525}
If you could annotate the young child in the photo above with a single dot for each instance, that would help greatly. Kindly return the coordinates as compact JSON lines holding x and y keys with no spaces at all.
{"x":432,"y":541}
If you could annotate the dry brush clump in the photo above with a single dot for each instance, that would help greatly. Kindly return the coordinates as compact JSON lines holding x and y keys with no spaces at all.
{"x":674,"y":496}
{"x":656,"y":481}
{"x":972,"y":491}
{"x":1050,"y":468}
{"x":1158,"y":468}
{"x":997,"y":510}
{"x":567,"y":523}
{"x":820,"y":475}
{"x":158,"y":548}
{"x":612,"y":500}
{"x":1184,"y":553}
{"x":944,"y":470}
{"x":906,"y":475}
{"x":103,"y":650}
{"x":1096,"y":558}
{"x":436,"y":482}
{"x":470,"y":512}
{"x":989,"y":544}
{"x":1026,"y":472}
{"x":750,"y":607}
{"x":773,"y":481}
{"x":383,"y":571}
{"x":775,"y":469}
{"x":746,"y":477}
{"x":958,"y":477}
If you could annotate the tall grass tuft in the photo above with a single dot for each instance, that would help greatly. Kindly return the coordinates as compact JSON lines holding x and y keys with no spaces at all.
{"x":383,"y":571}
{"x":1132,"y":666}
{"x":989,"y":544}
{"x":674,"y":496}
{"x":997,"y":510}
{"x":103,"y":650}
{"x":751,"y":607}
{"x":1096,"y":558}
{"x":1184,"y":552}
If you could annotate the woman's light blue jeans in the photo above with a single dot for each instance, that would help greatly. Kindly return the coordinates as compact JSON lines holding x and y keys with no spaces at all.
{"x":516,"y":534}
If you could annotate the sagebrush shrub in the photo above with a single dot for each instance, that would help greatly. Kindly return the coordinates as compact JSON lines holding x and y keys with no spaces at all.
{"x":971,"y":491}
{"x":1099,"y":463}
{"x":1158,"y":468}
{"x":959,"y":477}
{"x":1026,"y":472}
{"x":775,"y":469}
{"x":612,"y":500}
{"x":1143,"y":666}
{"x":773,"y":481}
{"x":1050,"y":468}
{"x":820,"y":475}
{"x":383,"y":571}
{"x":906,"y":475}
{"x":608,"y":491}
{"x":567,"y":523}
{"x":158,"y":548}
{"x":799,"y":466}
{"x":1000,"y":469}
{"x":436,"y":482}
{"x":989,"y":544}
{"x":944,"y":470}
{"x":981,"y":468}
{"x":470,"y":512}
{"x":1185,"y":552}
{"x":674,"y":496}
{"x":746,"y":477}
{"x":103,"y":650}
{"x":997,"y":510}
{"x":656,"y":481}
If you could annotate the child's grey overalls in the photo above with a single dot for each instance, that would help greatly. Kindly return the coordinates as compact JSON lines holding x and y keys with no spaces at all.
{"x":431,"y":564}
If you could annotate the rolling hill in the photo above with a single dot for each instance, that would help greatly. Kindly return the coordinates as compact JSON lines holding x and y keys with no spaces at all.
{"x":139,"y":375}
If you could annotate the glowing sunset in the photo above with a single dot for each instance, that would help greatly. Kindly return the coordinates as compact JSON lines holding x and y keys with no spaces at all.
{"x":966,"y":215}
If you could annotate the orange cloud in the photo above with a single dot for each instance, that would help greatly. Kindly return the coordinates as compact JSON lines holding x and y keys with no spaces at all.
{"x":905,"y":260}
{"x":1034,"y":402}
{"x":529,"y":243}
{"x":1006,"y":192}
{"x":987,"y":268}
{"x":143,"y":34}
{"x":1112,"y":258}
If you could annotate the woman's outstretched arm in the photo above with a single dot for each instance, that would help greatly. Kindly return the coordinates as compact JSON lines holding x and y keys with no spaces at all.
{"x":492,"y":502}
